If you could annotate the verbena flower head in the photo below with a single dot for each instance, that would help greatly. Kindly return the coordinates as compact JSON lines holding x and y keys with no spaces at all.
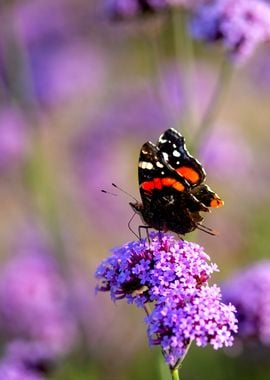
{"x":25,"y":361}
{"x":239,"y":24}
{"x":172,"y":274}
{"x":249,"y":290}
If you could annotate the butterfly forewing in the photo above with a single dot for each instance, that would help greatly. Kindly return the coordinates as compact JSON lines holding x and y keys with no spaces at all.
{"x":155,"y":174}
{"x":172,"y":144}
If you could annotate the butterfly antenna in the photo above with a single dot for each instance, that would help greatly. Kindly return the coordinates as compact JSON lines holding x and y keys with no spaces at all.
{"x":123,"y":191}
{"x":108,"y":192}
{"x":207,"y":230}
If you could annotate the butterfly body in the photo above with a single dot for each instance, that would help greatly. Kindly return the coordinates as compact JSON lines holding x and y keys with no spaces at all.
{"x":172,"y":186}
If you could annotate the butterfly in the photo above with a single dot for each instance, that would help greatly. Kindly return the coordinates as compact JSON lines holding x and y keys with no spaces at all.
{"x":172,"y":187}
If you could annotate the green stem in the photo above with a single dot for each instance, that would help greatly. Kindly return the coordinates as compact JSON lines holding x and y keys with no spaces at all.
{"x":39,"y":184}
{"x":155,"y":62}
{"x":175,"y":374}
{"x":147,"y":309}
{"x":215,"y":103}
{"x":16,"y":64}
{"x":178,"y":365}
{"x":183,"y":48}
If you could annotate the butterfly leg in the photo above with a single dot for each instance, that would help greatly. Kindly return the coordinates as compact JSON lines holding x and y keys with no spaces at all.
{"x":130,"y":229}
{"x":180,"y":237}
{"x":146,"y":228}
{"x":207,"y":230}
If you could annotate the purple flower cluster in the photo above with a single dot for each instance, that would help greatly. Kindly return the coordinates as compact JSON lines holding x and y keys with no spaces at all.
{"x":180,"y":319}
{"x":173,"y":275}
{"x":25,"y":361}
{"x":249,"y":290}
{"x":239,"y":24}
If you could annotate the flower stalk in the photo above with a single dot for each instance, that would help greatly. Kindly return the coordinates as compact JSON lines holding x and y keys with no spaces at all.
{"x":216,"y":101}
{"x":175,"y":374}
{"x":183,"y":47}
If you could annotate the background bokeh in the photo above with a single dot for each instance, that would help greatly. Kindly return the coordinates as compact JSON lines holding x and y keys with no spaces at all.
{"x":79,"y":95}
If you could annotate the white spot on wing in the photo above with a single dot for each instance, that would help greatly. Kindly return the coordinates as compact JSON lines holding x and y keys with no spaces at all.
{"x":163,"y":141}
{"x":159,"y":164}
{"x":176,"y":153}
{"x":146,"y":165}
{"x":165,"y":155}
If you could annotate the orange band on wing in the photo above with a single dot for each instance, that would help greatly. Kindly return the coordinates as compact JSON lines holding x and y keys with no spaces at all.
{"x":216,"y":202}
{"x":178,"y":186}
{"x":168,"y":181}
{"x":148,"y":185}
{"x":158,"y":183}
{"x":189,"y":174}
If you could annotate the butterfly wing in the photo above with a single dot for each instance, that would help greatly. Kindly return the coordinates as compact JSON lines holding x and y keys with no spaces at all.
{"x":207,"y":196}
{"x":172,"y":144}
{"x":156,"y":177}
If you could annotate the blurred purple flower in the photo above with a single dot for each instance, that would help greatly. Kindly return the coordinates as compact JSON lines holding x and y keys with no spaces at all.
{"x":173,"y":274}
{"x":63,"y":71}
{"x":13,"y":371}
{"x":249,"y":290}
{"x":239,"y":24}
{"x":25,"y":361}
{"x":127,"y":9}
{"x":13,"y":138}
{"x":60,"y":61}
{"x":44,"y":20}
{"x":34,"y":299}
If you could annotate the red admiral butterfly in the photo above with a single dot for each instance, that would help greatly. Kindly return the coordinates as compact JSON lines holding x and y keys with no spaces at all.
{"x":172,"y":187}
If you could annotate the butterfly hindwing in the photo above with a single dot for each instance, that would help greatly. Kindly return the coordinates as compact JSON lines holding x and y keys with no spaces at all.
{"x":208,"y":197}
